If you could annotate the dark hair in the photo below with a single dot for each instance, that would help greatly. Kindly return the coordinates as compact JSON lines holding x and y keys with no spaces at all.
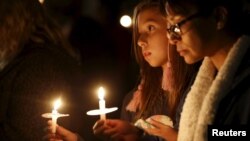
{"x":238,"y":15}
{"x":152,"y":92}
{"x":26,"y":20}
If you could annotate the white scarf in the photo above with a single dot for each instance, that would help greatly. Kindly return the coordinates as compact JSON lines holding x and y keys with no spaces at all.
{"x":202,"y":101}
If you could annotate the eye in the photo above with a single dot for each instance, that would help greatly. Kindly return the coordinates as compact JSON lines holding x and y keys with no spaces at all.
{"x":151,"y":28}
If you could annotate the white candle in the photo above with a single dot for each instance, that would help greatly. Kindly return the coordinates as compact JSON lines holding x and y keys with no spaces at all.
{"x":102,"y":107}
{"x":57,"y":104}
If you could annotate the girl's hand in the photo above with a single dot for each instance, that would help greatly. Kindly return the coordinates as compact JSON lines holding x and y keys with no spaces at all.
{"x":116,"y":130}
{"x":61,"y":134}
{"x":164,"y":131}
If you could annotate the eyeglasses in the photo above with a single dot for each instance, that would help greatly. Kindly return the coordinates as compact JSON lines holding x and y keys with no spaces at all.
{"x":174,"y":31}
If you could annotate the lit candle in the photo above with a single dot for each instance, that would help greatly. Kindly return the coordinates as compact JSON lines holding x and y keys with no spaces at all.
{"x":57,"y":104}
{"x":54,"y":115}
{"x":101,"y":93}
{"x":102,"y":111}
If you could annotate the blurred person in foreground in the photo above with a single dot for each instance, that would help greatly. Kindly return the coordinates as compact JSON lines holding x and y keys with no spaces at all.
{"x":37,"y":66}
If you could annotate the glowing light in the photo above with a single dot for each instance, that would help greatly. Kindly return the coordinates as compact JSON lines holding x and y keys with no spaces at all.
{"x":55,"y":114}
{"x":101,"y":93}
{"x":102,"y":111}
{"x":57,"y":104}
{"x":125,"y":21}
{"x":41,"y":1}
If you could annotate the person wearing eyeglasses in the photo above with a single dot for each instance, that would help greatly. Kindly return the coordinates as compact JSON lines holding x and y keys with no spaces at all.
{"x":218,"y":32}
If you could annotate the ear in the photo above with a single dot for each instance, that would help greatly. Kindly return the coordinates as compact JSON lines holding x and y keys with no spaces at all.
{"x":221,"y":16}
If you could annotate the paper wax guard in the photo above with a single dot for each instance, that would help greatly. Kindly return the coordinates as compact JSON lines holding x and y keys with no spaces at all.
{"x":49,"y":115}
{"x":99,"y":112}
{"x":163,"y":119}
{"x":140,"y":123}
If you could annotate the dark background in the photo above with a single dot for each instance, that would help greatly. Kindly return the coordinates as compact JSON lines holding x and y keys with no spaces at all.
{"x":92,"y":27}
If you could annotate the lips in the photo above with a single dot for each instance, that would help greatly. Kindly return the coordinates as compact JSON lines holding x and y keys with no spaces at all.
{"x":181,"y":52}
{"x":146,"y":54}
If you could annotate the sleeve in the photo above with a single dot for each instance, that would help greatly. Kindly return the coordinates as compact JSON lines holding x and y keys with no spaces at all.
{"x":125,"y":114}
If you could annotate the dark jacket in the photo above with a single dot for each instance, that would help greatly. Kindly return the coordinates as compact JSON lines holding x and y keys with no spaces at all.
{"x":235,"y":107}
{"x":30,"y":83}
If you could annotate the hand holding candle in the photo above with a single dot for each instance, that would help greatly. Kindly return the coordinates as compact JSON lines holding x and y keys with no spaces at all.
{"x":102,"y":111}
{"x":54,"y":115}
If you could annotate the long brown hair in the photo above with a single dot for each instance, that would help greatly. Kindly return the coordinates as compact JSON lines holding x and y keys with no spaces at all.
{"x":153,"y":96}
{"x":23,"y":21}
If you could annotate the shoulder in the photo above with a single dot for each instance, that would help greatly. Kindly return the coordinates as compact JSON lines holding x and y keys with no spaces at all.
{"x":128,"y":97}
{"x":38,"y":64}
{"x":47,"y":52}
{"x":234,"y":107}
{"x":46,"y":57}
{"x":125,"y":114}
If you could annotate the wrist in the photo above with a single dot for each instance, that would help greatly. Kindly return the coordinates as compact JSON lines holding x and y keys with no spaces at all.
{"x":78,"y":137}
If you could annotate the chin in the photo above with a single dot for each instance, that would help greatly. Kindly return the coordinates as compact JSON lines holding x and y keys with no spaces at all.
{"x":189,"y":60}
{"x":153,"y":65}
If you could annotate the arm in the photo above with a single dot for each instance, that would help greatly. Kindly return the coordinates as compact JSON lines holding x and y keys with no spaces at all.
{"x":115,"y":130}
{"x":61,"y":134}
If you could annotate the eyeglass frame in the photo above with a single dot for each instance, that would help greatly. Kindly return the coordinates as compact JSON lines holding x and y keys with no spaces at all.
{"x":177,"y":34}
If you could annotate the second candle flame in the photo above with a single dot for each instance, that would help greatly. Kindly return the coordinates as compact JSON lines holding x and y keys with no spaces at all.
{"x":101,"y":93}
{"x":57,"y":104}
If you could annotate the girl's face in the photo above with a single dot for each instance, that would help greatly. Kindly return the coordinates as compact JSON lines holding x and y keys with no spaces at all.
{"x":197,"y":35}
{"x":152,"y":36}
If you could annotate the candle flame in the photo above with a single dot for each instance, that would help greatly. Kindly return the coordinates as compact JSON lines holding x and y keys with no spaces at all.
{"x":57,"y":104}
{"x":41,"y":1}
{"x":101,"y":93}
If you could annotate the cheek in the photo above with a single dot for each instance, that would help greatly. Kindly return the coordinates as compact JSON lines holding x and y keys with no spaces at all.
{"x":193,"y":46}
{"x":161,"y":41}
{"x":206,"y":31}
{"x":162,"y":51}
{"x":203,"y":44}
{"x":197,"y":48}
{"x":158,"y":43}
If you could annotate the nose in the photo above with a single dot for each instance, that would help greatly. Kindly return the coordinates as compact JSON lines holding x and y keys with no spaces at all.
{"x":141,"y":43}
